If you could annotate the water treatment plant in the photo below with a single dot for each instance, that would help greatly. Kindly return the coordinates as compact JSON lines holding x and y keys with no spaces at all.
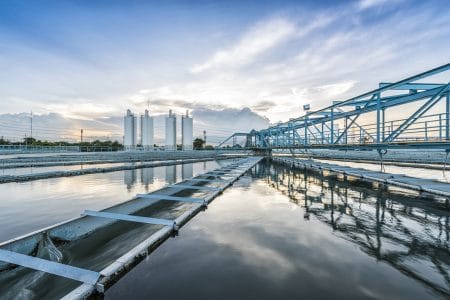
{"x":306,"y":201}
{"x":214,"y":149}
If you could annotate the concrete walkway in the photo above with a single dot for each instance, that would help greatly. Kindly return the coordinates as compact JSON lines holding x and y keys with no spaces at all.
{"x":400,"y":180}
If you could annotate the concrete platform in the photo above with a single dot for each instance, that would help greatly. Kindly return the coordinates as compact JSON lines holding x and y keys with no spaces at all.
{"x":400,"y":180}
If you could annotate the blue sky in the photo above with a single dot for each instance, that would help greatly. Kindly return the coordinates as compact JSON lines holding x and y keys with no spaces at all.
{"x":91,"y":59}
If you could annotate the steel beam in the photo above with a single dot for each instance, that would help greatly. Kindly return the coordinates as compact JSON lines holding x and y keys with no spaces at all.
{"x":50,"y":267}
{"x":171,"y":198}
{"x":194,"y":187}
{"x":129,"y":218}
{"x":283,"y":135}
{"x":423,"y":109}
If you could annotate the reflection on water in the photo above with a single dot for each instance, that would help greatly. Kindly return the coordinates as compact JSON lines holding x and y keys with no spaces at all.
{"x":187,"y":171}
{"x":409,"y":233}
{"x":129,"y":178}
{"x":41,"y":203}
{"x":283,"y":234}
{"x":147,"y":176}
{"x":171,"y":174}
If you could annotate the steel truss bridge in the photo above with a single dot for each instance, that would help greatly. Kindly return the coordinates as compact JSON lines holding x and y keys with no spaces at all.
{"x":361,"y":122}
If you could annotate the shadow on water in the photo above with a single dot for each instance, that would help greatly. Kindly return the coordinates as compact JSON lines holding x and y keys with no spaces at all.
{"x":408,"y":231}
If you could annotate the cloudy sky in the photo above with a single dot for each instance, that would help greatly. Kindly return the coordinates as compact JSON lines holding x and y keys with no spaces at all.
{"x":90,"y":60}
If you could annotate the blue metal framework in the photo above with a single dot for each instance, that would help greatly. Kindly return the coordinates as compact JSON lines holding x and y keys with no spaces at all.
{"x":336,"y":126}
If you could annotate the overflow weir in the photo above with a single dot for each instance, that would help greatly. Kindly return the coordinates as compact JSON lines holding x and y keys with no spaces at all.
{"x":98,"y":248}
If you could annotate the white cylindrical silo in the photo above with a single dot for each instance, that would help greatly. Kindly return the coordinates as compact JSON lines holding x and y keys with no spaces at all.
{"x":171,"y":132}
{"x":147,"y":131}
{"x":187,"y":132}
{"x":129,"y":125}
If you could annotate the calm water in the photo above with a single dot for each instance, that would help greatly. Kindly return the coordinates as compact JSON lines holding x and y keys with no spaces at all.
{"x":33,"y":170}
{"x":42,"y":203}
{"x":279,"y":234}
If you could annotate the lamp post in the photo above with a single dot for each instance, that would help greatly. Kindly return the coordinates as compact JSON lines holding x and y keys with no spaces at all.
{"x":306,"y":108}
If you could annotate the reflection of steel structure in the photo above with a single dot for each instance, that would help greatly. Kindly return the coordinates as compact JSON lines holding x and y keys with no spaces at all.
{"x":386,"y":225}
{"x":347,"y":124}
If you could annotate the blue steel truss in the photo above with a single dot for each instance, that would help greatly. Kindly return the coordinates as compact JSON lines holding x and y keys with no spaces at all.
{"x":337,"y":126}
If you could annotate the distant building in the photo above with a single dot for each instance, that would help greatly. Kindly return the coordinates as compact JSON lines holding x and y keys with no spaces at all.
{"x":187,"y":133}
{"x":147,"y":131}
{"x":171,"y":132}
{"x":130,"y":131}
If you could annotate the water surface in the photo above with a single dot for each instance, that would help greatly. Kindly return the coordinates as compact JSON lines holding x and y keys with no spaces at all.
{"x":32,"y":205}
{"x":279,"y":234}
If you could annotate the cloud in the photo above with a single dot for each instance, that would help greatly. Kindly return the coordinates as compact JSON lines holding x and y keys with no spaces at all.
{"x":263,"y":105}
{"x":270,"y":64}
{"x":365,"y":4}
{"x":54,"y":126}
{"x":329,"y":91}
{"x":262,"y":37}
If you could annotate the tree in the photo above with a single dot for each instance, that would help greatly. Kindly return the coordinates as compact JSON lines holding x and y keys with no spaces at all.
{"x":29,"y":140}
{"x":198,"y":144}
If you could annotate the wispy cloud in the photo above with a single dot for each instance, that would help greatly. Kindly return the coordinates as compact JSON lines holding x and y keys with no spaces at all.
{"x":262,"y":37}
{"x":365,"y":4}
{"x":272,"y":61}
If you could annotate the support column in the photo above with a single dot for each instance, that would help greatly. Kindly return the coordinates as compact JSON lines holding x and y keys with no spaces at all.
{"x":378,"y":118}
{"x":447,"y":117}
{"x":306,"y":130}
{"x":382,"y":124}
{"x":293,"y":136}
{"x":332,"y":127}
{"x":346,"y":130}
{"x":322,"y":134}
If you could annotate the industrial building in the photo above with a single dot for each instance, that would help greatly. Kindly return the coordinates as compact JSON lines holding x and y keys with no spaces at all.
{"x":171,"y":131}
{"x":130,"y":131}
{"x":187,"y":133}
{"x":147,"y":131}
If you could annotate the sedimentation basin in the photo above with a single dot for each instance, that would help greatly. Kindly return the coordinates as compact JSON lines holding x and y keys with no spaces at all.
{"x":281,"y":230}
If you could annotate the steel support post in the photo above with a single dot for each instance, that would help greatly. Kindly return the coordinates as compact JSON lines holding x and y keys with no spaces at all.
{"x":293,"y":136}
{"x":440,"y":127}
{"x":346,"y":131}
{"x":332,"y":126}
{"x":447,"y":117}
{"x":322,"y":134}
{"x":378,"y":118}
{"x":426,"y":131}
{"x":306,"y":130}
{"x":382,"y":123}
{"x":360,"y":135}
